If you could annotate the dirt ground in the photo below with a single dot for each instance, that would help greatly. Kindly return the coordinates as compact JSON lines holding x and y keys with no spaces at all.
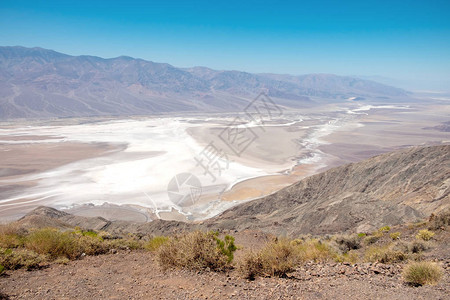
{"x":136,"y":275}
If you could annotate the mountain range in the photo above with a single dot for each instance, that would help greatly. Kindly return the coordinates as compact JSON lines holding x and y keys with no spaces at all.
{"x":40,"y":83}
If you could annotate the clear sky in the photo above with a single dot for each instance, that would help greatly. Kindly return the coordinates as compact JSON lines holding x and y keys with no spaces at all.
{"x":405,"y":40}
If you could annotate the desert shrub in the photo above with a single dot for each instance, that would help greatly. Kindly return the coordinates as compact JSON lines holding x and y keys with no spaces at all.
{"x":154,"y":243}
{"x":361,"y":234}
{"x":91,"y":245}
{"x":2,"y":269}
{"x":251,"y":265}
{"x":395,"y":235}
{"x":315,"y":250}
{"x":422,"y":273}
{"x":11,"y":236}
{"x":351,"y":257}
{"x":425,"y":235}
{"x":440,"y":220}
{"x":348,"y":242}
{"x":373,"y":238}
{"x":13,"y":259}
{"x":196,"y":250}
{"x":385,"y":254}
{"x":276,"y":258}
{"x":55,"y":243}
{"x":226,"y":246}
{"x":384,"y":229}
{"x":418,"y":246}
{"x":280,"y":257}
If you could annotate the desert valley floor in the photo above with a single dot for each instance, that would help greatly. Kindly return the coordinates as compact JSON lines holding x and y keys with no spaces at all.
{"x":132,"y":168}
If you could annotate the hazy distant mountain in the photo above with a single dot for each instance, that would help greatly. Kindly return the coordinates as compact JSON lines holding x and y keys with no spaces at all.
{"x":36,"y":82}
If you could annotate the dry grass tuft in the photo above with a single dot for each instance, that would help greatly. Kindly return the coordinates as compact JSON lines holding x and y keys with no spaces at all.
{"x":385,"y":254}
{"x":195,"y":251}
{"x":155,"y":243}
{"x":422,"y":273}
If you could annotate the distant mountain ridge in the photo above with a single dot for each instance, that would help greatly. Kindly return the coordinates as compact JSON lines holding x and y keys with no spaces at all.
{"x":36,"y":82}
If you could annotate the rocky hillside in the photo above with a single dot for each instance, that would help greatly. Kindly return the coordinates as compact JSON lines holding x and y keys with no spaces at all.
{"x":388,"y":189}
{"x":36,"y":82}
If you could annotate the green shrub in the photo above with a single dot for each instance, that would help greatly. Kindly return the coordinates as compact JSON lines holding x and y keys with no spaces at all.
{"x":55,"y":244}
{"x":425,"y":235}
{"x":2,"y":269}
{"x":361,"y":234}
{"x":395,"y":235}
{"x":384,"y":229}
{"x":154,"y":243}
{"x":226,"y":246}
{"x":12,"y":259}
{"x":196,"y":251}
{"x":422,"y":273}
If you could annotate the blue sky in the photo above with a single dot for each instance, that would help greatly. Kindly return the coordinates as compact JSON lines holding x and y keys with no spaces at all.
{"x":405,"y":40}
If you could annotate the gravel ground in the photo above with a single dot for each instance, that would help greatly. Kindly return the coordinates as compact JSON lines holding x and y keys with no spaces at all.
{"x":136,"y":275}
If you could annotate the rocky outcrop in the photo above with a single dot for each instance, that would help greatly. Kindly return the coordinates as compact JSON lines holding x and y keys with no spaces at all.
{"x":388,"y":189}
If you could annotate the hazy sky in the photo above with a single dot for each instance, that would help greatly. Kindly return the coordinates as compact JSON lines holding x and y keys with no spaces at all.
{"x":407,"y":40}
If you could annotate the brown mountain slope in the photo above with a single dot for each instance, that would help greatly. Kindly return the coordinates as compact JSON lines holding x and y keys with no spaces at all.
{"x":388,"y":189}
{"x":36,"y":82}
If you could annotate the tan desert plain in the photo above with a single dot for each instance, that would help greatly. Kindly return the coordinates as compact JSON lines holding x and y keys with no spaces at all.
{"x":193,"y":167}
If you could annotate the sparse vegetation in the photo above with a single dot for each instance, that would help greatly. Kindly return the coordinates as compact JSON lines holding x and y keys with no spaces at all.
{"x":385,"y":254}
{"x":11,"y":236}
{"x":12,"y":259}
{"x":316,"y":250}
{"x":55,"y":244}
{"x":384,"y":229}
{"x":226,"y":246}
{"x":251,"y":266}
{"x":425,"y":235}
{"x":351,"y":257}
{"x":156,"y":242}
{"x":395,"y":235}
{"x":196,"y":250}
{"x":422,"y":273}
{"x":348,"y":242}
{"x":277,"y":258}
{"x":439,"y":221}
{"x":373,"y":238}
{"x":281,"y":256}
